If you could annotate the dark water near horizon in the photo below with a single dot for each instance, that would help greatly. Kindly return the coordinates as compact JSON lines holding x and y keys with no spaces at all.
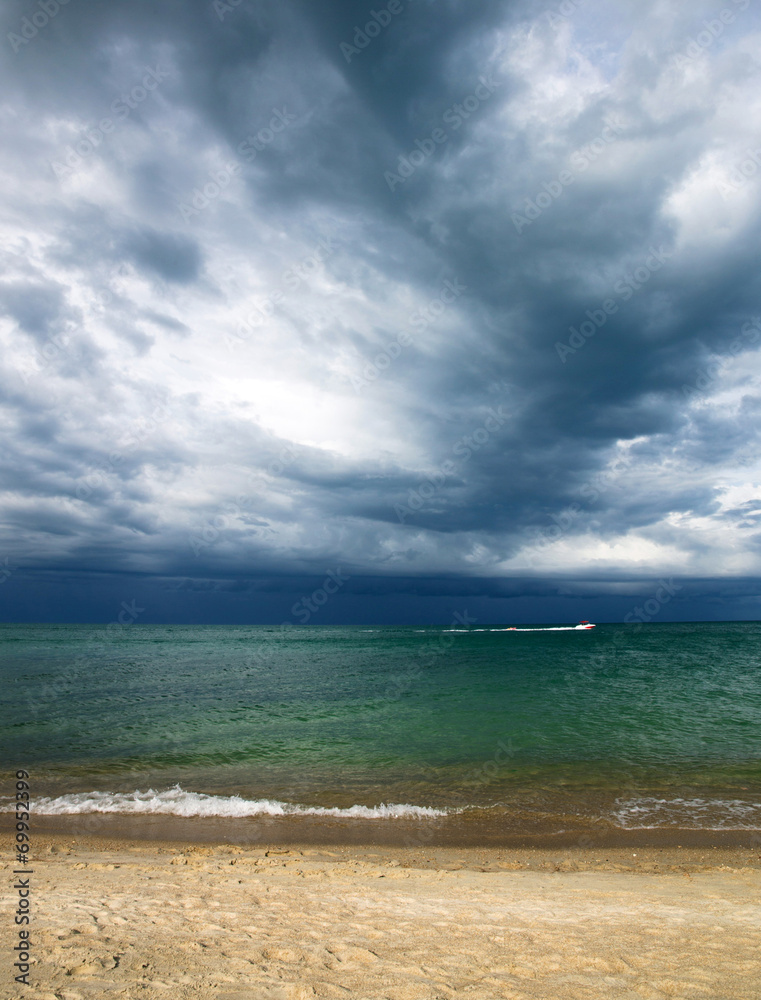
{"x":622,"y":727}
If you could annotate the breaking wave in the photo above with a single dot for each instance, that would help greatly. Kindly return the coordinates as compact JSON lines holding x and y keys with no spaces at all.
{"x":177,"y":802}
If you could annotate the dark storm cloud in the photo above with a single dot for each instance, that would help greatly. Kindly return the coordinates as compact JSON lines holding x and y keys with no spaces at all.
{"x":35,"y":307}
{"x":171,"y":255}
{"x":230,"y":307}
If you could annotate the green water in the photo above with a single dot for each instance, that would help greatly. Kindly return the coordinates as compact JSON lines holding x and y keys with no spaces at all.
{"x":340,"y":716}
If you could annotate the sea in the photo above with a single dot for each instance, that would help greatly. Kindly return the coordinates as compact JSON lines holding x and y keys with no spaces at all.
{"x":416,"y":735}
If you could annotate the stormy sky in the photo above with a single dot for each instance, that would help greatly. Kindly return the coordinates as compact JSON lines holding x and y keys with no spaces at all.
{"x":421,"y":307}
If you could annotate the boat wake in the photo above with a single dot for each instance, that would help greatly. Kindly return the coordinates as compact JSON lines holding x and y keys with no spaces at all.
{"x":581,"y":627}
{"x":554,"y":628}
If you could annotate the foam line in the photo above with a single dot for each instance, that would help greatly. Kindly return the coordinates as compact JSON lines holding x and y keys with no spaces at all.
{"x":177,"y":802}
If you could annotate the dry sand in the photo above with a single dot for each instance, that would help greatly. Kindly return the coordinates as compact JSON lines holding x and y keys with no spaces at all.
{"x":148,"y":920}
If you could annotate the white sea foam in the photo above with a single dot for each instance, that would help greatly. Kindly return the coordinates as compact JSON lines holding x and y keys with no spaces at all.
{"x":687,"y":814}
{"x":177,"y":802}
{"x":641,"y":813}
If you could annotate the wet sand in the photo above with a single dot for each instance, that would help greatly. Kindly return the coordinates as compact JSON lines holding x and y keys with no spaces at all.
{"x":164,"y":919}
{"x":475,"y":829}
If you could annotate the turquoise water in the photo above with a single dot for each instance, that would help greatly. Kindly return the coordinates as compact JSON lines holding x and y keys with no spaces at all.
{"x":648,"y":725}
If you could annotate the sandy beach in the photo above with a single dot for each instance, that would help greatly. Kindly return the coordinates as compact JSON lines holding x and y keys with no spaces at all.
{"x":149,"y":920}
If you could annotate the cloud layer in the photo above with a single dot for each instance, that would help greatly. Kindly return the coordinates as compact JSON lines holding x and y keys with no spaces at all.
{"x":447,"y":294}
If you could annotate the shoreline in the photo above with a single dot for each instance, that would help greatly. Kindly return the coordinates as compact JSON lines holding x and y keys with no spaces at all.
{"x":444,"y":832}
{"x":163,"y":918}
{"x":642,"y":858}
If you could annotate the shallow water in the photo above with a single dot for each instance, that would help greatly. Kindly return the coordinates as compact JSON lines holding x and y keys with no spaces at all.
{"x":652,"y":726}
